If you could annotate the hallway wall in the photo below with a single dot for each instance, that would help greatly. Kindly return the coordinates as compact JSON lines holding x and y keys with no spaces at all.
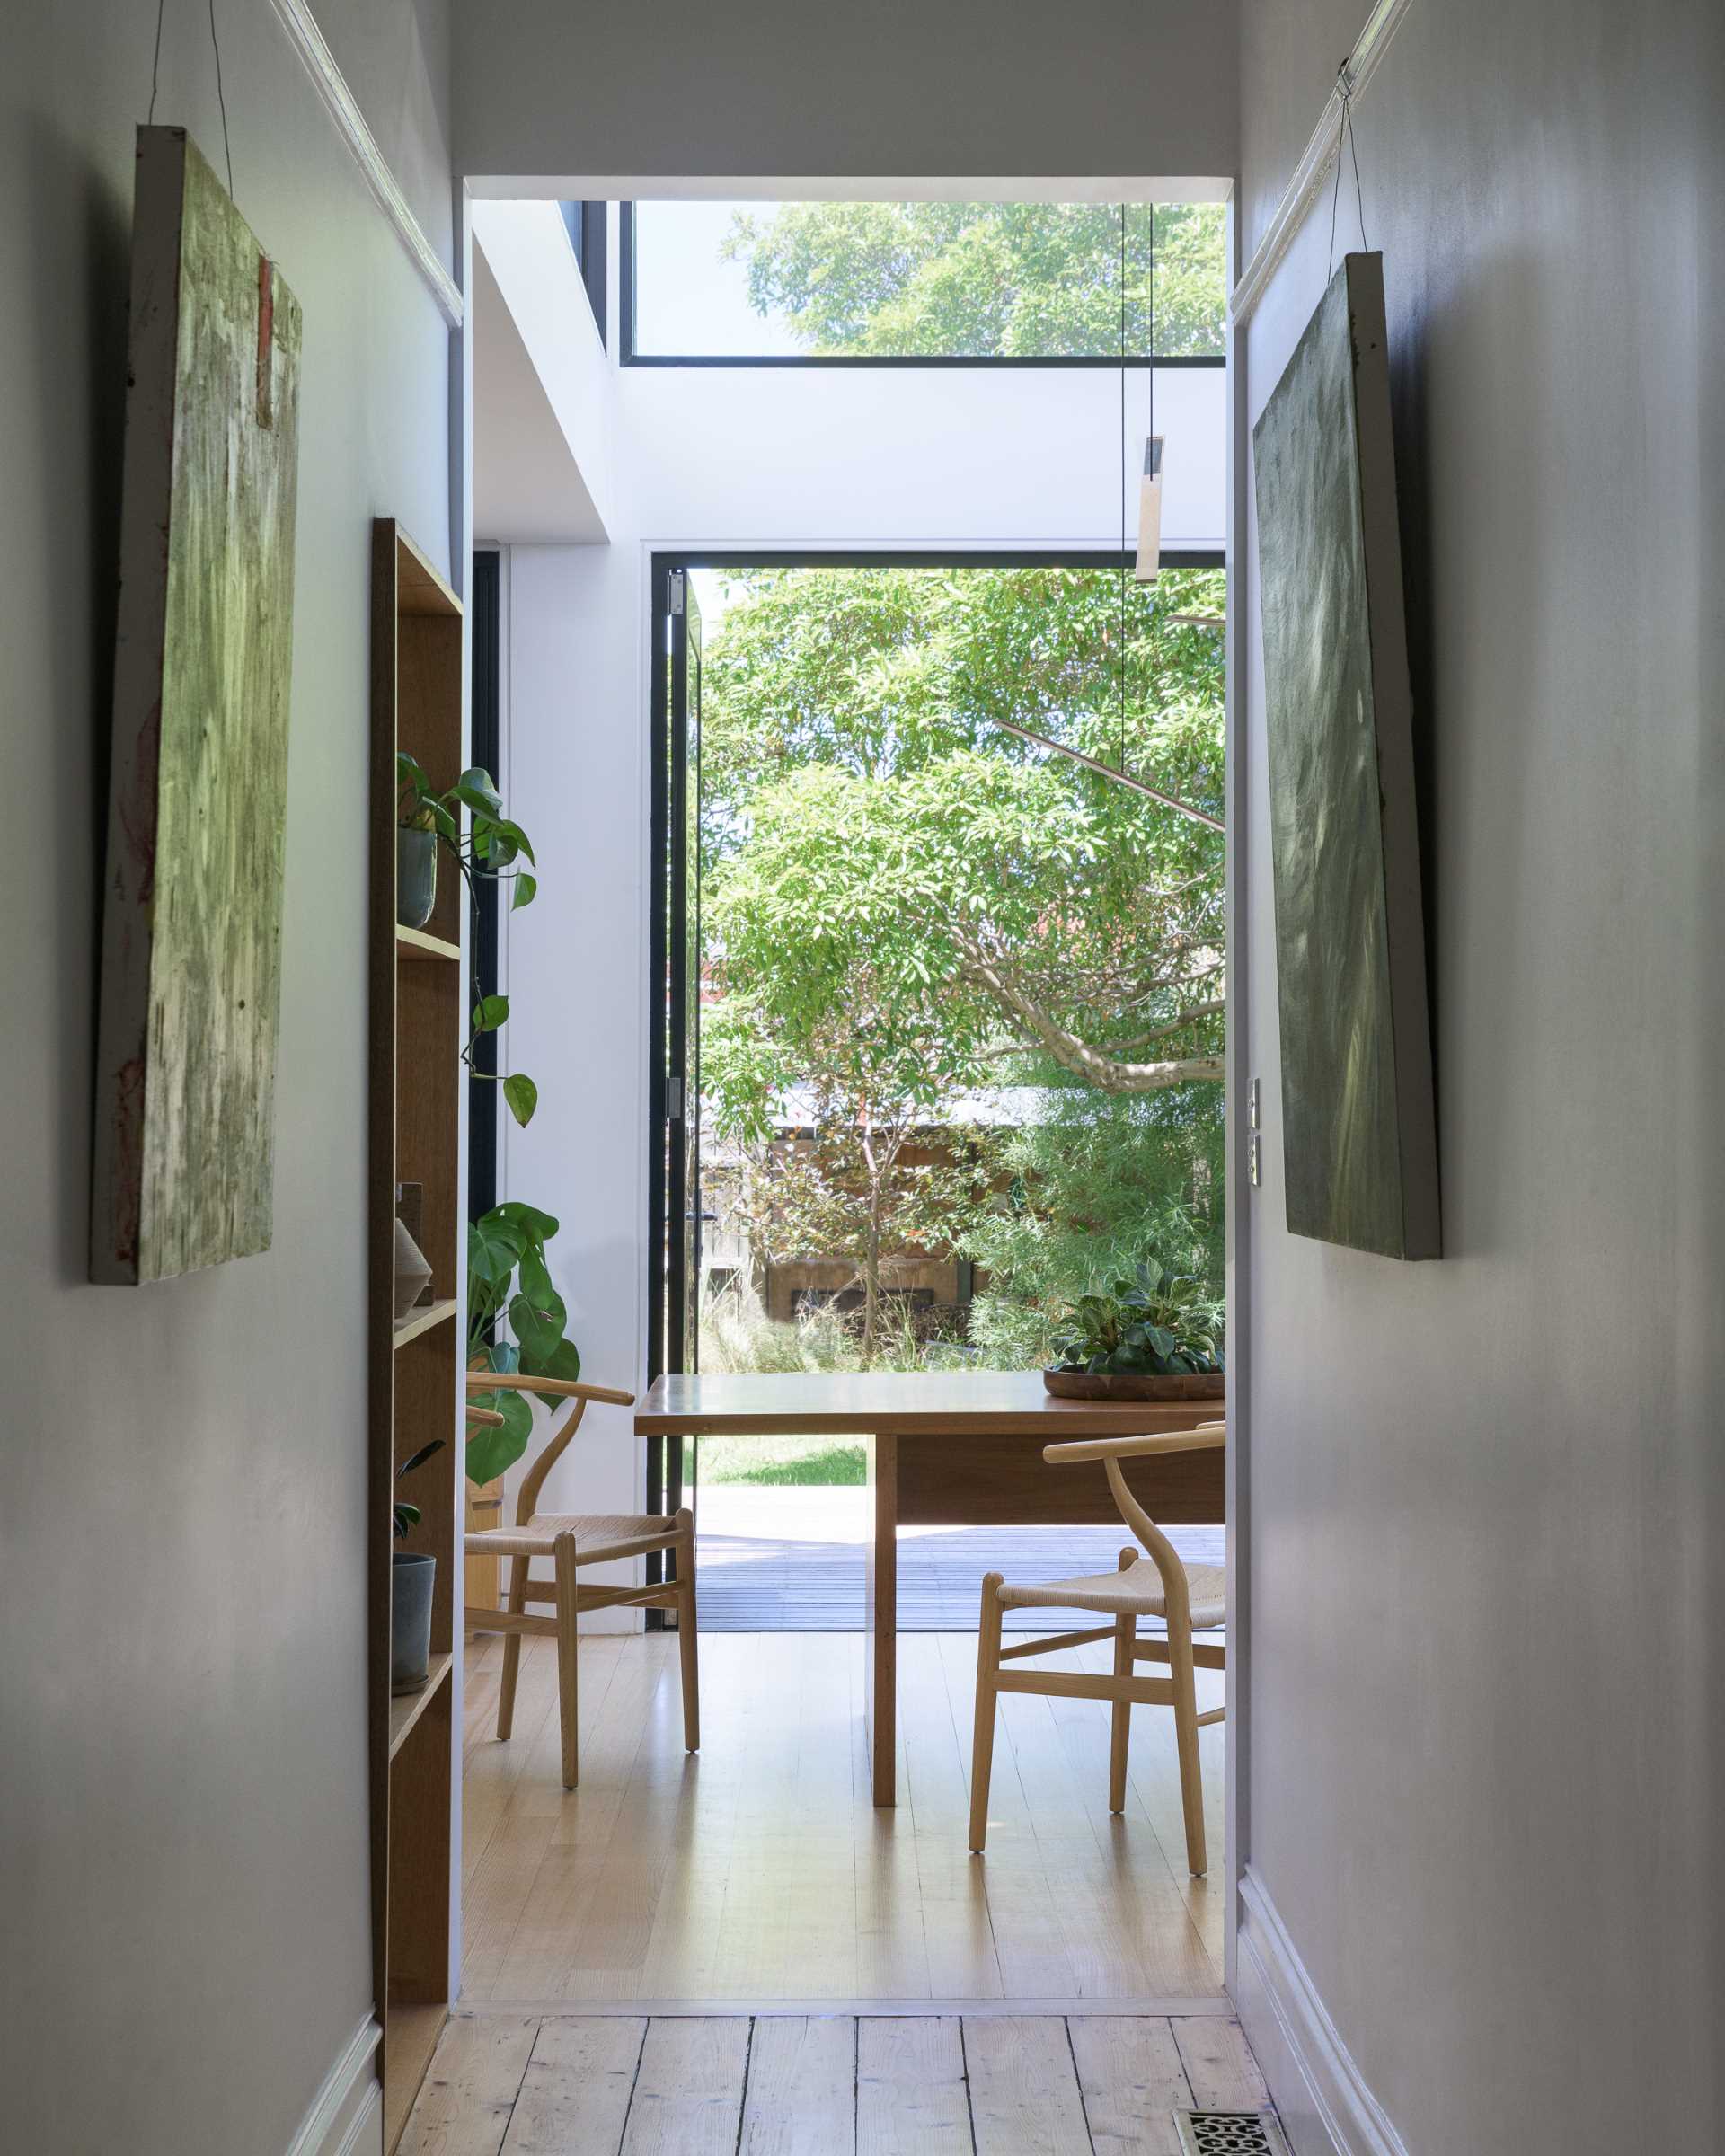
{"x":183,"y":1799}
{"x":1487,"y":1494}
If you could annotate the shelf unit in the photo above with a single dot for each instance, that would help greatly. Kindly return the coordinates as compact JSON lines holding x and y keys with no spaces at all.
{"x":416,"y":984}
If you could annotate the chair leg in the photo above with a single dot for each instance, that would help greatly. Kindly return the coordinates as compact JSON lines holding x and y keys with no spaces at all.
{"x":982,"y":1751}
{"x":568,"y":1695}
{"x":1192,"y":1778}
{"x":685,"y":1632}
{"x":1125,"y":1633}
{"x":519,"y":1567}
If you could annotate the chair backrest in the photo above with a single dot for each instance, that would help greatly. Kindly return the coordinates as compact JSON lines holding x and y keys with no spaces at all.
{"x":1110,"y":1451}
{"x":578,"y":1394}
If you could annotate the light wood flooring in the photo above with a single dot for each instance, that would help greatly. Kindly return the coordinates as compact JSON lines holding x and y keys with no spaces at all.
{"x":506,"y":2084}
{"x":757,"y":1874}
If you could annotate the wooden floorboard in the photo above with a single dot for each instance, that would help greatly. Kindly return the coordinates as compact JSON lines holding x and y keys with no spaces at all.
{"x":759,"y":1869}
{"x":576,"y":2084}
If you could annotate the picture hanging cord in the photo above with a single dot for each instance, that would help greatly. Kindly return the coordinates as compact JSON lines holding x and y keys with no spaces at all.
{"x":1345,"y":126}
{"x":156,"y":73}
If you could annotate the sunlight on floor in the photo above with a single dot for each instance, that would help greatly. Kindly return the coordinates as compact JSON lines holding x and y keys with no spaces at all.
{"x":760,"y":1871}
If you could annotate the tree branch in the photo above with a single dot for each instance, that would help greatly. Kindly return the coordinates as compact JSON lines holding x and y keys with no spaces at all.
{"x":1110,"y":1072}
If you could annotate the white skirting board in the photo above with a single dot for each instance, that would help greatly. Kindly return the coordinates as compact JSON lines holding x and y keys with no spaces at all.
{"x":347,"y":2114}
{"x":1326,"y":2108}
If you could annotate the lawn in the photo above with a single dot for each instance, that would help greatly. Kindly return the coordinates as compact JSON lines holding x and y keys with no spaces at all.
{"x":814,"y":1462}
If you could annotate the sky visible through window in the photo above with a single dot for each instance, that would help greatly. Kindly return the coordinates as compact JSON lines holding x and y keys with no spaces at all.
{"x":969,"y":280}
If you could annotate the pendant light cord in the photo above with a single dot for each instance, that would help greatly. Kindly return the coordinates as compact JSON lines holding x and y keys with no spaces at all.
{"x":1122,"y":638}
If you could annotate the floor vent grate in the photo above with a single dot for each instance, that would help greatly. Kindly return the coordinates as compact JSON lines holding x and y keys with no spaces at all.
{"x":1230,"y":2133}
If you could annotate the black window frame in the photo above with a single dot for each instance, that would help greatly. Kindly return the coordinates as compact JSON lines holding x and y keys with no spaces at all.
{"x":627,"y":354}
{"x":586,"y":224}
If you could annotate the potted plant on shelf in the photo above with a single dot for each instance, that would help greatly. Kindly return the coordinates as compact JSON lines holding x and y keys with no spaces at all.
{"x":492,"y":846}
{"x":412,"y":1578}
{"x":1151,"y":1337}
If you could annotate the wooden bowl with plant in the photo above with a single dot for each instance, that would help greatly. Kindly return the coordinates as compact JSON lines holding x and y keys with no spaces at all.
{"x":1149,"y":1337}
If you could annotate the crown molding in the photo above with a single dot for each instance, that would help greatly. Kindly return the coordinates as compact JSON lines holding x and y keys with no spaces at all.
{"x":1320,"y":153}
{"x":339,"y":103}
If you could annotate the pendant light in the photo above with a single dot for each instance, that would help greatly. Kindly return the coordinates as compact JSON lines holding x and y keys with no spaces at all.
{"x":1143,"y":567}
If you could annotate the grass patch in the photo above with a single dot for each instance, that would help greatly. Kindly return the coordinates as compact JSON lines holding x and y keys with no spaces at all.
{"x":810,"y":1462}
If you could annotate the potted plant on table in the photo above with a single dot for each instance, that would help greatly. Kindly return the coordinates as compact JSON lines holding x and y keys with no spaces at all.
{"x":412,"y":1578}
{"x":1151,"y":1337}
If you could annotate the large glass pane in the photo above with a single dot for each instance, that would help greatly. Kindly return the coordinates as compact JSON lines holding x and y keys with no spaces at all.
{"x":973,"y":280}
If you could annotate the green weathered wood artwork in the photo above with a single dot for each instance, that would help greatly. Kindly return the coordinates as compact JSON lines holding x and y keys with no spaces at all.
{"x":1358,"y":1129}
{"x":191,"y":932}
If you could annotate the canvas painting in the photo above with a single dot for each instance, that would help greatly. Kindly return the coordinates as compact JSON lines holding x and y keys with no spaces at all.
{"x":191,"y":931}
{"x":1359,"y":1126}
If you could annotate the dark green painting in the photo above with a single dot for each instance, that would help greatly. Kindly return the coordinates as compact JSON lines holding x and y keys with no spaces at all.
{"x":1359,"y":1142}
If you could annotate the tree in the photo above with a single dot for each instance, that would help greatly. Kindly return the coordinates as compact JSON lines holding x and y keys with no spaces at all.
{"x":1091,"y":1183}
{"x":874,"y":845}
{"x":902,"y":902}
{"x":1026,"y":279}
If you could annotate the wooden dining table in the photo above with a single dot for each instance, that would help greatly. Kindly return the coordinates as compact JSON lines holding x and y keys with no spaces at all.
{"x":948,"y":1448}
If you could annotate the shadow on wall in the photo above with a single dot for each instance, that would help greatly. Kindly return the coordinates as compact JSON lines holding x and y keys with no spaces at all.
{"x":75,"y":219}
{"x":1445,"y":585}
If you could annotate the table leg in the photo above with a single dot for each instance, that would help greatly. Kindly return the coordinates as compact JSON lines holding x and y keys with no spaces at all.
{"x":881,"y":1647}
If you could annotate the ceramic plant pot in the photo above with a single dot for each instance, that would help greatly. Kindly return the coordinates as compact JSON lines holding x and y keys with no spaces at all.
{"x":412,"y":1271}
{"x":411,"y":1581}
{"x":1079,"y":1384}
{"x":416,"y":876}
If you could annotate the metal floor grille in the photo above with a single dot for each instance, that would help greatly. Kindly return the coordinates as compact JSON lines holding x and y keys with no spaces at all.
{"x":1230,"y":2133}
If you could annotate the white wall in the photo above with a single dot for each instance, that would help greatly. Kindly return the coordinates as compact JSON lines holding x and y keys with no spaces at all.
{"x":182,"y":1771}
{"x":1486,"y":1493}
{"x":970,"y":87}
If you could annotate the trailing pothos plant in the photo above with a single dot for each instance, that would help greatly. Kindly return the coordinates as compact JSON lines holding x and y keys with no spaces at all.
{"x":491,"y":846}
{"x":508,"y":1280}
{"x":1150,"y":1325}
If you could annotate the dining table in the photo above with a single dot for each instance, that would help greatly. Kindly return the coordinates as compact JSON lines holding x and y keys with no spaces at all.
{"x":947,"y":1448}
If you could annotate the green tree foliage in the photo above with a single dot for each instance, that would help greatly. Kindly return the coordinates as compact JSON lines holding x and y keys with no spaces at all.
{"x":1091,"y":1184}
{"x":902,"y":902}
{"x":1022,"y":279}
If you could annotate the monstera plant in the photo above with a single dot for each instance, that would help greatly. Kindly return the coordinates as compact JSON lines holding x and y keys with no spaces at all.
{"x":509,"y":1281}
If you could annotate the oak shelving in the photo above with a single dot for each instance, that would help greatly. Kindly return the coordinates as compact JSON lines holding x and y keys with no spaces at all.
{"x":414,"y":1367}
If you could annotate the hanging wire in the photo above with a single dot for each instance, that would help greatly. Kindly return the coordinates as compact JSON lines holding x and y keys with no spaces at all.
{"x":216,"y":42}
{"x":155,"y":61}
{"x":1345,"y":129}
{"x":221,"y":98}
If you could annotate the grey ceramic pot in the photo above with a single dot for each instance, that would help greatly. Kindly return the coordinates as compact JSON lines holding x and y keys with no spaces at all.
{"x":416,"y":876}
{"x":411,"y":1581}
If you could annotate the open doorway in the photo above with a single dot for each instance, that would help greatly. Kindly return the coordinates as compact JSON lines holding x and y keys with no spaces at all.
{"x":916,"y":1103}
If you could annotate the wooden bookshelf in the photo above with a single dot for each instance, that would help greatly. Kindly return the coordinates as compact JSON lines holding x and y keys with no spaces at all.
{"x":414,"y":1367}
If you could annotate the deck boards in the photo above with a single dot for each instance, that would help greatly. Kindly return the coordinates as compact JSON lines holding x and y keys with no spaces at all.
{"x":825,"y":2085}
